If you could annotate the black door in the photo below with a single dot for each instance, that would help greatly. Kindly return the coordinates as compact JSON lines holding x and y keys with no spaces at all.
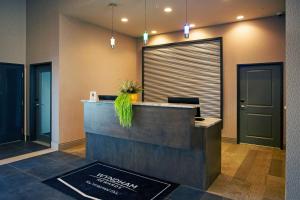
{"x":11,"y":102}
{"x":41,"y":102}
{"x":260,"y":104}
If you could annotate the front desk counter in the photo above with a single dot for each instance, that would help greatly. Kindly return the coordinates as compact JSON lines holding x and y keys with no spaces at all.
{"x":164,"y":141}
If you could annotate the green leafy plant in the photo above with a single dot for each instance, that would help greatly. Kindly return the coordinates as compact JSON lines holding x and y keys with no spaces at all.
{"x":123,"y":107}
{"x":130,"y":87}
{"x":123,"y":104}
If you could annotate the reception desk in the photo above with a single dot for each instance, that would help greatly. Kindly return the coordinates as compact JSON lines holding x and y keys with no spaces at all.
{"x":164,"y":141}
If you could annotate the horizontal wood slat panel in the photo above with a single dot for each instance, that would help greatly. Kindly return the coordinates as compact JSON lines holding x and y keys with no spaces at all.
{"x":191,"y":70}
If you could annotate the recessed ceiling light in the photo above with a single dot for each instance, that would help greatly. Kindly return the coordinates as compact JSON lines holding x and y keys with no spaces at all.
{"x":168,"y":9}
{"x":154,"y":32}
{"x":124,"y":19}
{"x":240,"y":17}
{"x":192,"y":25}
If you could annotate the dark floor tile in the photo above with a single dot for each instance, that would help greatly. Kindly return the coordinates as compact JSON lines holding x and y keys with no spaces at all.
{"x":16,"y":181}
{"x":30,"y":163}
{"x":6,"y":170}
{"x":189,"y":193}
{"x":12,"y":152}
{"x":34,"y":146}
{"x":36,"y":190}
{"x":79,"y":163}
{"x":61,"y":157}
{"x":5,"y":195}
{"x":19,"y":148}
{"x":49,"y":170}
{"x":22,"y":180}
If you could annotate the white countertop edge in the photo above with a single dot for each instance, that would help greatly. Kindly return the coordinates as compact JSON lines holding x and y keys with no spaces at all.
{"x":174,"y":105}
{"x":208,"y":122}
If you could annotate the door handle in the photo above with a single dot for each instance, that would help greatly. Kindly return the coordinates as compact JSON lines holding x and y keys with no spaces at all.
{"x":243,"y":106}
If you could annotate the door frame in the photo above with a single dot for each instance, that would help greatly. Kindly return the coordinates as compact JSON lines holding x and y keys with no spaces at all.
{"x":239,"y":66}
{"x":23,"y":136}
{"x":32,"y":121}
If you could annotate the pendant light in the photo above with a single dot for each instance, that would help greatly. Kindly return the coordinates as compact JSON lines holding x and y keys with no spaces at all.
{"x":112,"y":39}
{"x":145,"y":35}
{"x":186,"y":28}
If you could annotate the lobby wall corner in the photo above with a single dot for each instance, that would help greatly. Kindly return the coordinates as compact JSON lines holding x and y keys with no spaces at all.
{"x":293,"y":96}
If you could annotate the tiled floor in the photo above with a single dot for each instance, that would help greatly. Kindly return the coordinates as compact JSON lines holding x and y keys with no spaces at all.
{"x":19,"y":148}
{"x":22,"y":180}
{"x":251,"y":172}
{"x":248,"y":172}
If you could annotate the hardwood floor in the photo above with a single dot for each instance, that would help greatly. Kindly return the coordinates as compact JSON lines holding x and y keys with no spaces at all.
{"x":249,"y":172}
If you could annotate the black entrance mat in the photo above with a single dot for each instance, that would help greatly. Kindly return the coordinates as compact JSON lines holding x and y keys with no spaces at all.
{"x":105,"y":182}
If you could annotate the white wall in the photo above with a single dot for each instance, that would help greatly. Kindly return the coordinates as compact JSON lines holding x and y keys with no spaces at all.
{"x":13,"y":31}
{"x":293,"y":100}
{"x":43,"y":46}
{"x":88,"y":63}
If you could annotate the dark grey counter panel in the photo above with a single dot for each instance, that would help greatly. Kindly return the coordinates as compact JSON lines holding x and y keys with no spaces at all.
{"x":149,"y":124}
{"x":178,"y":165}
{"x":163,"y":143}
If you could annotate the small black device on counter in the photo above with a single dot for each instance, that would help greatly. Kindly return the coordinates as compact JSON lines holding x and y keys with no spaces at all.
{"x":107,"y":97}
{"x":188,"y":100}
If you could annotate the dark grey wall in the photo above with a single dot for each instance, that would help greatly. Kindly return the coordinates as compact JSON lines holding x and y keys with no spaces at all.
{"x":293,"y":99}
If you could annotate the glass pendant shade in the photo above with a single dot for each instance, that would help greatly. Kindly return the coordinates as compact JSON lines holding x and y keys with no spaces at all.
{"x":186,"y":30}
{"x":112,"y":42}
{"x":145,"y":37}
{"x":112,"y":39}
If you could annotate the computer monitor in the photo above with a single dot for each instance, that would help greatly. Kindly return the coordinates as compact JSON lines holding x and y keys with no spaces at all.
{"x":107,"y":97}
{"x":186,"y":100}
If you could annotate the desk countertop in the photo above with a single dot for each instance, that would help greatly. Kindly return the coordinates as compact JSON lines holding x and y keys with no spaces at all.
{"x":174,"y":105}
{"x":208,"y":122}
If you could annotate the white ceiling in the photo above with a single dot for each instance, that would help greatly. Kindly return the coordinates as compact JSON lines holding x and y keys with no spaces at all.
{"x":201,"y":12}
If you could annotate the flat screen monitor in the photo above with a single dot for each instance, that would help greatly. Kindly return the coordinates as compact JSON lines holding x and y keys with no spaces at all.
{"x":107,"y":97}
{"x":186,"y":100}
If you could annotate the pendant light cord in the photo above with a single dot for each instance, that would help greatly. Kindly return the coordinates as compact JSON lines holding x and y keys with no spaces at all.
{"x":186,"y":11}
{"x":112,"y":20}
{"x":145,"y":15}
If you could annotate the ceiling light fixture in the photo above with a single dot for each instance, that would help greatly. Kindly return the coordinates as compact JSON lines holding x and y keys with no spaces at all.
{"x":154,"y":32}
{"x":168,"y":9}
{"x":112,"y":39}
{"x":240,"y":17}
{"x":186,"y":28}
{"x":124,"y":19}
{"x":192,"y":25}
{"x":145,"y":35}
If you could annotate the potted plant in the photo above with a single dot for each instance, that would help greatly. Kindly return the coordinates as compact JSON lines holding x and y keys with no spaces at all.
{"x":123,"y":104}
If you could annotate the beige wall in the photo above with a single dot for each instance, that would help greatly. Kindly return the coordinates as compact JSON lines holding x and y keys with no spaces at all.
{"x":254,"y":41}
{"x":83,"y":61}
{"x":13,"y":31}
{"x":87,"y":63}
{"x":43,"y":46}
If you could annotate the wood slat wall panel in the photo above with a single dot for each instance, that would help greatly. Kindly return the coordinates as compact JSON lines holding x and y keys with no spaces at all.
{"x":191,"y":70}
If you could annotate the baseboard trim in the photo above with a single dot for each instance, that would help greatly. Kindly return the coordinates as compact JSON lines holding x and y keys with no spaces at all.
{"x":26,"y":156}
{"x":67,"y":145}
{"x":229,"y":140}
